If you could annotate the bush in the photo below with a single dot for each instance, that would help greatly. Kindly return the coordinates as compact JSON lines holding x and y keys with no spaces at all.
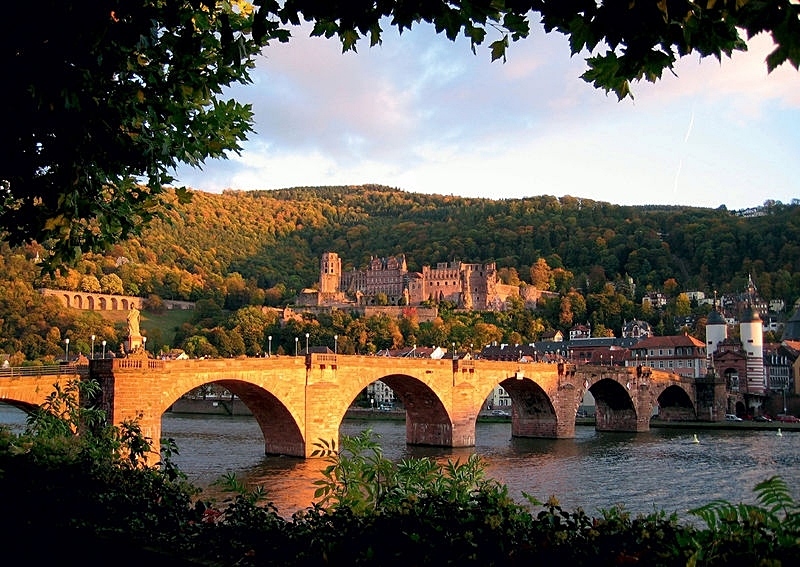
{"x":75,"y":487}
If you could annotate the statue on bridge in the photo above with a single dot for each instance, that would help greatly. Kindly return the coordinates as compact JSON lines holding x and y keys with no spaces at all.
{"x":133,"y":322}
{"x":135,"y":342}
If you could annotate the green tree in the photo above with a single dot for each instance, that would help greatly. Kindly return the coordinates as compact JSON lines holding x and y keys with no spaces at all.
{"x":108,"y":94}
{"x":111,"y":283}
{"x":198,"y":345}
{"x":90,"y":284}
{"x":251,"y":324}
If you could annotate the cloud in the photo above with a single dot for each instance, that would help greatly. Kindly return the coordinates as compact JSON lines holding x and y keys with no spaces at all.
{"x":423,"y":114}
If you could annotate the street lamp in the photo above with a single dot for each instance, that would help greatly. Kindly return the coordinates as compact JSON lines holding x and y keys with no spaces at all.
{"x":93,"y":337}
{"x":269,"y":338}
{"x":454,"y":351}
{"x":66,"y":341}
{"x":144,"y":343}
{"x":784,"y":398}
{"x":335,"y":344}
{"x":104,"y":349}
{"x":295,"y":345}
{"x":307,"y":353}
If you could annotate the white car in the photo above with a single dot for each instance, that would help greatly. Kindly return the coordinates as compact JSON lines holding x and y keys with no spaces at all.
{"x":731,"y":417}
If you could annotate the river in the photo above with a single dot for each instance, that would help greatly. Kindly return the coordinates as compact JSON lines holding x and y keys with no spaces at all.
{"x":661,"y":469}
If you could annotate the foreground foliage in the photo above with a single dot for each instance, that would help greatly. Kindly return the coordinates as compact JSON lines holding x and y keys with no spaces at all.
{"x":76,"y":488}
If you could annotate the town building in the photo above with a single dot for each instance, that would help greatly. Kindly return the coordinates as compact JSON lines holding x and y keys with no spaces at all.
{"x":636,"y":329}
{"x":680,"y":354}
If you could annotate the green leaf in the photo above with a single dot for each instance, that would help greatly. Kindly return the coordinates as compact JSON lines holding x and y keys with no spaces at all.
{"x":498,"y":48}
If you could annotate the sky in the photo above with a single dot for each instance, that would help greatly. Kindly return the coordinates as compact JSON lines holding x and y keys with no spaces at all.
{"x":423,"y":114}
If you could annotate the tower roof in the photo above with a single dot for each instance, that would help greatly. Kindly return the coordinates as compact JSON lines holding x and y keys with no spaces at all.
{"x":715,"y":318}
{"x":750,"y":315}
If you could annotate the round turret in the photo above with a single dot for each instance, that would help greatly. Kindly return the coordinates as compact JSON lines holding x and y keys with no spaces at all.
{"x":716,"y":331}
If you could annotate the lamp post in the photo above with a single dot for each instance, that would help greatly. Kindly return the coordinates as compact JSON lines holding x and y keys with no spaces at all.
{"x":104,"y":349}
{"x":144,"y":343}
{"x":295,"y":345}
{"x":66,"y":341}
{"x":784,"y":398}
{"x":335,"y":344}
{"x":454,"y":351}
{"x":93,"y":337}
{"x":269,"y":352}
{"x":307,"y":353}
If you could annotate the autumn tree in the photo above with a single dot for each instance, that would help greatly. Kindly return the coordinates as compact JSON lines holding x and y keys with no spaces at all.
{"x":111,"y":283}
{"x":90,"y":284}
{"x":541,"y":275}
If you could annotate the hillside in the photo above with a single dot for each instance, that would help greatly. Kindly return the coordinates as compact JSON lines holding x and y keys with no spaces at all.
{"x":237,"y":251}
{"x":277,"y":237}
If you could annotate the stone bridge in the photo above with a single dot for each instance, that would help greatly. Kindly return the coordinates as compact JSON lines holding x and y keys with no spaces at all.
{"x":28,"y":387}
{"x":298,"y":401}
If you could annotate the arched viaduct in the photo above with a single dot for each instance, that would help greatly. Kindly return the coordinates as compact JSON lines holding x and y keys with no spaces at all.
{"x":299,"y":401}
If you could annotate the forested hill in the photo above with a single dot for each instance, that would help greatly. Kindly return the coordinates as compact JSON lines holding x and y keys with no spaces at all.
{"x":275,"y":239}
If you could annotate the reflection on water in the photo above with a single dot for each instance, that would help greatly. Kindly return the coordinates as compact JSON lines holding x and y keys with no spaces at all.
{"x":661,"y":469}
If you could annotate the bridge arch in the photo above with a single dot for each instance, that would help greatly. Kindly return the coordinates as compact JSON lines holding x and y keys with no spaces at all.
{"x":674,"y":404}
{"x":533,"y":412}
{"x":280,"y":424}
{"x":614,"y":407}
{"x":25,"y":407}
{"x":428,"y":422}
{"x":282,"y":435}
{"x":430,"y":416}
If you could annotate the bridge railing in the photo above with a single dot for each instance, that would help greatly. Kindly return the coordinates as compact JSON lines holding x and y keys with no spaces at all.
{"x":138,"y":364}
{"x":48,"y":370}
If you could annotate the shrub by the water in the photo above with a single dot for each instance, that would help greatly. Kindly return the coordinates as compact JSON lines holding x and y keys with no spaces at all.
{"x":75,"y":489}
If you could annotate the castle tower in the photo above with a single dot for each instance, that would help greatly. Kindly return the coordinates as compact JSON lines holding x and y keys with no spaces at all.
{"x":752,"y":334}
{"x":716,"y":329}
{"x":330,"y":272}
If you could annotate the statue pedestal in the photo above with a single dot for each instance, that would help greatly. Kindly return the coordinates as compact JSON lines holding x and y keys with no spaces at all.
{"x":133,"y":343}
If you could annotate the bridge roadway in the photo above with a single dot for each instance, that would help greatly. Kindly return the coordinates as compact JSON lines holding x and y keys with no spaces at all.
{"x":299,"y":401}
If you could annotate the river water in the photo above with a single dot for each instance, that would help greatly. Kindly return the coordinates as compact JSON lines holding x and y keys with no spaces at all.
{"x":662,"y":469}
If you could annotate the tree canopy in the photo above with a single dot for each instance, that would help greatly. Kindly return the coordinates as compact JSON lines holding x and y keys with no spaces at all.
{"x":107,"y":97}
